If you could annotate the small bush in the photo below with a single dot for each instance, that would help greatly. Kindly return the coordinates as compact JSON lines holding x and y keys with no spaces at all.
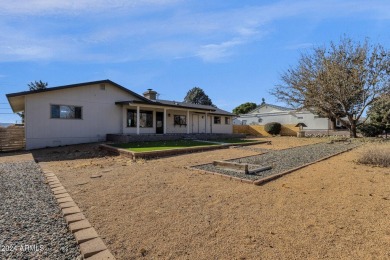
{"x":273,"y":128}
{"x":370,"y":130}
{"x":378,"y":155}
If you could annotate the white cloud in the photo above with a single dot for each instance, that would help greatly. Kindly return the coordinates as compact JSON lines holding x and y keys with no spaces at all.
{"x":45,"y":7}
{"x":217,"y":52}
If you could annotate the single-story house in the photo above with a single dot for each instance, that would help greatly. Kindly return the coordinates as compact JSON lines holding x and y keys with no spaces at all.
{"x":87,"y":112}
{"x":267,"y":113}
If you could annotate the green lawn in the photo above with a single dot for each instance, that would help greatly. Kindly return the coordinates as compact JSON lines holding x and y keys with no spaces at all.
{"x":161,"y":145}
{"x":177,"y":144}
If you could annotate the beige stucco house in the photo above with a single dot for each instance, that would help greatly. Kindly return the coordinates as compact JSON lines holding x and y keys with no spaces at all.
{"x":87,"y":112}
{"x":267,"y":113}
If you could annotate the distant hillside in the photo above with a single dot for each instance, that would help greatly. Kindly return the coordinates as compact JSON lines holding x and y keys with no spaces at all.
{"x":5,"y":124}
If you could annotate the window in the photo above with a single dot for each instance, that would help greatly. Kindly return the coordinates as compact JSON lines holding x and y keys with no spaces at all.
{"x":217,"y":120}
{"x":145,"y":118}
{"x":243,"y":122}
{"x":227,"y":120}
{"x":300,"y":117}
{"x":259,"y":120}
{"x":65,"y":112}
{"x":179,"y":120}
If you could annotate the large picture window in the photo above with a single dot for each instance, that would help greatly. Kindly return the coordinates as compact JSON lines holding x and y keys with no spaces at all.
{"x":145,"y":118}
{"x":65,"y":112}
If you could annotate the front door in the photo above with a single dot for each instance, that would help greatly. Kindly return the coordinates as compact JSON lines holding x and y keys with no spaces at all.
{"x":159,"y":122}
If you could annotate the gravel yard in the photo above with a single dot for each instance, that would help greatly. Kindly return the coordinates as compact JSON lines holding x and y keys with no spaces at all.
{"x":158,"y":209}
{"x":281,"y":160}
{"x":31,"y":225}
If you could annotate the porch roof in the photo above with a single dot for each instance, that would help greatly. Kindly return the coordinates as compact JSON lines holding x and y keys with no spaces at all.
{"x":176,"y":104}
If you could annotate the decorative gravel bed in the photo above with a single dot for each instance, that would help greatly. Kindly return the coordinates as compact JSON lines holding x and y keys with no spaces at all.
{"x":31,"y":225}
{"x":282,"y":160}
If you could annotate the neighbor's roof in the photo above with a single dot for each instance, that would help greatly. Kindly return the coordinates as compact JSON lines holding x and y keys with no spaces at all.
{"x":274,"y":106}
{"x":16,"y":100}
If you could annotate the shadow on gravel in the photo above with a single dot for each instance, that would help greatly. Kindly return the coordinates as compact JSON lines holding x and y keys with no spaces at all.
{"x":71,"y":152}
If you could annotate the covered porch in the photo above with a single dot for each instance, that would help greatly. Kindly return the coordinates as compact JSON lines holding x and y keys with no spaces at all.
{"x":140,"y":118}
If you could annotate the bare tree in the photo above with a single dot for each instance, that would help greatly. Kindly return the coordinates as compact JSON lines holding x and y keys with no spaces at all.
{"x":339,"y":82}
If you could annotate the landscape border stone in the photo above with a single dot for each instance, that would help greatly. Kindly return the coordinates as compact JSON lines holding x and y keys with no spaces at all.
{"x":91,"y":245}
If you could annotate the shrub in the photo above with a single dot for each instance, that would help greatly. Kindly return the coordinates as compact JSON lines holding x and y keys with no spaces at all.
{"x":378,"y":155}
{"x":370,"y":130}
{"x":273,"y":128}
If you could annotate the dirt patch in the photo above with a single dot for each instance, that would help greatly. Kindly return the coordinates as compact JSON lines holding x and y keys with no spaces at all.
{"x":158,"y":209}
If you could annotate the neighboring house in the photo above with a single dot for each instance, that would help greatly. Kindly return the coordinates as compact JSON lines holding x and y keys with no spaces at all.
{"x":87,"y":112}
{"x":266,"y":113}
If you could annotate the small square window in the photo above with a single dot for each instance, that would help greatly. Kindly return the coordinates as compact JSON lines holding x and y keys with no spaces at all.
{"x":217,"y":120}
{"x":179,"y":120}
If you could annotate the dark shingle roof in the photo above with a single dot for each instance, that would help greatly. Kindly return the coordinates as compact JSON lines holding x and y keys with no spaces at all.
{"x":215,"y":110}
{"x":77,"y":85}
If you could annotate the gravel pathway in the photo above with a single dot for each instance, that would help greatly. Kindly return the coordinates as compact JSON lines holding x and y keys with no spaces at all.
{"x":31,"y":225}
{"x":282,"y":160}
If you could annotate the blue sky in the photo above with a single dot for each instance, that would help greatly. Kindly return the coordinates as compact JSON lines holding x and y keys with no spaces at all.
{"x":234,"y":50}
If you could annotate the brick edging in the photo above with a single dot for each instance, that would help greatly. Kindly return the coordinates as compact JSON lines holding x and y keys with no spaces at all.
{"x":91,"y":245}
{"x":264,"y":180}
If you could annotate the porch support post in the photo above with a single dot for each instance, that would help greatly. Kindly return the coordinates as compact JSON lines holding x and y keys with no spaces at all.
{"x":138,"y":116}
{"x":165,"y":121}
{"x":205,"y":123}
{"x":188,"y":122}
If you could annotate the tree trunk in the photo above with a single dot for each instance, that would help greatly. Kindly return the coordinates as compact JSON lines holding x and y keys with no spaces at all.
{"x":333,"y":121}
{"x":352,"y":130}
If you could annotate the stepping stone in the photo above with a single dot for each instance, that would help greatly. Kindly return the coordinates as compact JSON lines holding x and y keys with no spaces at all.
{"x":82,"y":183}
{"x":96,"y":175}
{"x":92,"y":247}
{"x":71,"y":210}
{"x":74,"y":217}
{"x":102,"y":255}
{"x":85,"y":235}
{"x":79,"y":225}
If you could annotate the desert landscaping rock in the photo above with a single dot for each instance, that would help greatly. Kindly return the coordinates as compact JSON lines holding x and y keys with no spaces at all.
{"x":281,"y":160}
{"x":31,"y":226}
